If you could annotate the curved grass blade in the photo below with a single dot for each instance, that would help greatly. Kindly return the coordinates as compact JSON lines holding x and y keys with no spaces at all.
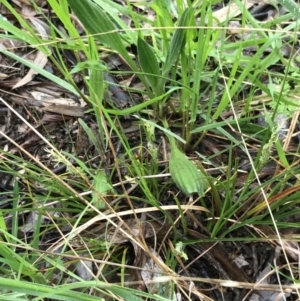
{"x":41,"y":71}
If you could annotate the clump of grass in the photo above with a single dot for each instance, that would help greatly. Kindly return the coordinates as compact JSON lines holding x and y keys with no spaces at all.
{"x":192,"y":77}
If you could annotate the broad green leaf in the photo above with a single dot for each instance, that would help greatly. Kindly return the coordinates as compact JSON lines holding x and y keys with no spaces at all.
{"x":291,"y":6}
{"x":98,"y":23}
{"x":148,"y":62}
{"x":96,"y":83}
{"x":116,"y":12}
{"x":184,"y":173}
{"x":102,"y":187}
{"x":177,"y":42}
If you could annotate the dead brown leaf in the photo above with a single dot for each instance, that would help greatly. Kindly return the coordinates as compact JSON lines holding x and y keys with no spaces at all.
{"x":230,"y":11}
{"x":40,"y":60}
{"x":75,"y":111}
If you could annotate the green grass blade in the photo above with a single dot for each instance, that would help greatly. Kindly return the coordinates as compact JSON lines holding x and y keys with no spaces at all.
{"x":41,"y":71}
{"x":177,"y":42}
{"x":15,"y":213}
{"x":19,"y":264}
{"x":111,"y":7}
{"x":39,"y":290}
{"x":30,"y":38}
{"x":97,"y":23}
{"x":148,"y":63}
{"x":90,"y":134}
{"x":139,"y":107}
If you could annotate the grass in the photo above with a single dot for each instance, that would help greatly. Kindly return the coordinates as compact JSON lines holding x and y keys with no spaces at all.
{"x":199,"y":90}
